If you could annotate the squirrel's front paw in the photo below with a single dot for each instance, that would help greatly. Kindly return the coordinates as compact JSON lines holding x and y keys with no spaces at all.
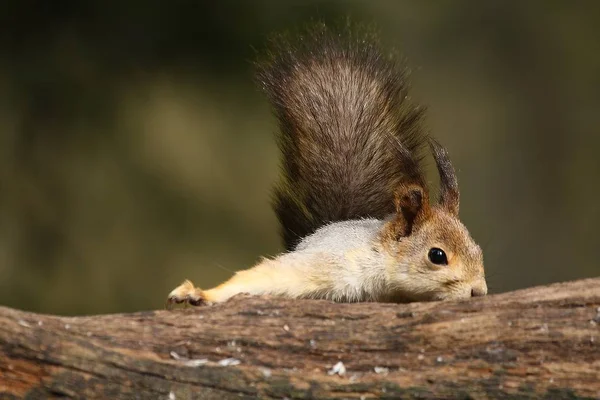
{"x":186,"y":293}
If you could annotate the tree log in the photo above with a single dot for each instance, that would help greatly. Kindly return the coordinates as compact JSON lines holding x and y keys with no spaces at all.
{"x":541,"y":342}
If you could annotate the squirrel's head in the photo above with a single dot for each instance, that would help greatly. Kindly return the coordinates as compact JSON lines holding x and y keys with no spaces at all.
{"x":434,"y":256}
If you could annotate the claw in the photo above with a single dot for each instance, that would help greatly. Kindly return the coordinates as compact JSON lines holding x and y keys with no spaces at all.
{"x":196,"y":302}
{"x":185,"y":293}
{"x":172,"y":300}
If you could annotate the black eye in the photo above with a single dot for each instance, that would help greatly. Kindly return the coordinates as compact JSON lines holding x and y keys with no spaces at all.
{"x":437,"y":256}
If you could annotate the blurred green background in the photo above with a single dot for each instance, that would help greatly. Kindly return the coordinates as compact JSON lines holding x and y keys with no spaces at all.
{"x":135,"y":150}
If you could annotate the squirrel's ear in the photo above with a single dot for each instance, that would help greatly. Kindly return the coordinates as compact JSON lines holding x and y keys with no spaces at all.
{"x":449,"y":194}
{"x":412,"y":207}
{"x":411,"y":197}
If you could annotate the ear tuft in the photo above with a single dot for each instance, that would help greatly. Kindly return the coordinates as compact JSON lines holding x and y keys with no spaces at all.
{"x":449,"y":194}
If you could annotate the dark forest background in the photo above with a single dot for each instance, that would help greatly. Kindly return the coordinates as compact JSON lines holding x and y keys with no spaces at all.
{"x":135,"y":150}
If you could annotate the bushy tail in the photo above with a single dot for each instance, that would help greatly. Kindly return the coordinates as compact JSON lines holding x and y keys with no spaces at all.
{"x":343,"y":108}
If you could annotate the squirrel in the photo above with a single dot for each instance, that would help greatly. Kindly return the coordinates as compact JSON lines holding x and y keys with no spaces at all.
{"x":353,"y":203}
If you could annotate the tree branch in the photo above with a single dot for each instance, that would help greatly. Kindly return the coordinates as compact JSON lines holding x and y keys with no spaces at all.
{"x":537,"y":343}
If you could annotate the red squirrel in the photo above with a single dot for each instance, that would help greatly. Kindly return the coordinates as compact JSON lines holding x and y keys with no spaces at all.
{"x":353,"y":203}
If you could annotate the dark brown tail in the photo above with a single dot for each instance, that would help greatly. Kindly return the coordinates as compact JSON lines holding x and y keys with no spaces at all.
{"x":343,"y":108}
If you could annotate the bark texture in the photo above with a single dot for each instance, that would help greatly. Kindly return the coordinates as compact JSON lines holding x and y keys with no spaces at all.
{"x":542,"y":342}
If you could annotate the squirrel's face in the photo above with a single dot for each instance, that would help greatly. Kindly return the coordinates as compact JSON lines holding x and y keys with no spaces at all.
{"x":438,"y":260}
{"x":433,"y":257}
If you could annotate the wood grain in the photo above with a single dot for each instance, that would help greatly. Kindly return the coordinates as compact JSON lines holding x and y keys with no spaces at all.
{"x":541,"y":342}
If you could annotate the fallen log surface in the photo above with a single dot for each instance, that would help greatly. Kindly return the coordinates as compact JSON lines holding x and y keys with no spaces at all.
{"x":542,"y":342}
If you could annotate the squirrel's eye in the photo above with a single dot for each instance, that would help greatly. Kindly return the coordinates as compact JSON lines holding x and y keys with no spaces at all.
{"x":438,"y":256}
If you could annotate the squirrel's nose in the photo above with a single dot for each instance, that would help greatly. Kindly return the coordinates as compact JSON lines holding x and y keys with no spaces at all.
{"x":479,"y":289}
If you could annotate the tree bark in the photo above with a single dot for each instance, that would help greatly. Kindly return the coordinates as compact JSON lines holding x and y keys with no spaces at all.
{"x":537,"y":343}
